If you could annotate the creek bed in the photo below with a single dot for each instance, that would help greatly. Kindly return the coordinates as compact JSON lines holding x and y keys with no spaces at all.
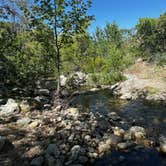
{"x":151,"y":116}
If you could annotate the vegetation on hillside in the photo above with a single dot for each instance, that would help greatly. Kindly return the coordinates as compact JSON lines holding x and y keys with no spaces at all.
{"x":41,"y":39}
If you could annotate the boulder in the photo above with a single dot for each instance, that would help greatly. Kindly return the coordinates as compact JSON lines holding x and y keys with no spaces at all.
{"x":11,"y":107}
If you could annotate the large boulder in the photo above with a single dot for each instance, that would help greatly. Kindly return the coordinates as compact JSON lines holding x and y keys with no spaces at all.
{"x":11,"y":107}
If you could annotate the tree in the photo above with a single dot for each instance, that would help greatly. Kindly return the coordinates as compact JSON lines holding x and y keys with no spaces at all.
{"x":65,"y":18}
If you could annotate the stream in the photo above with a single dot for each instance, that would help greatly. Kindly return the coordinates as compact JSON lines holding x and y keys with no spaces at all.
{"x":151,"y":116}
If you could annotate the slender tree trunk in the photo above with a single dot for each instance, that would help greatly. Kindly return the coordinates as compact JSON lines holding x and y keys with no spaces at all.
{"x":58,"y":55}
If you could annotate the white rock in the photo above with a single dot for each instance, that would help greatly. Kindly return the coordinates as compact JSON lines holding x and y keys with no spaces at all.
{"x":9,"y":108}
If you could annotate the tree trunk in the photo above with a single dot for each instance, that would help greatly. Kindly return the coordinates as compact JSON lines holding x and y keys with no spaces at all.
{"x":58,"y":56}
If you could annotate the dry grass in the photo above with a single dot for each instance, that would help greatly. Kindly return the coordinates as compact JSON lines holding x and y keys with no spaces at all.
{"x":154,"y":76}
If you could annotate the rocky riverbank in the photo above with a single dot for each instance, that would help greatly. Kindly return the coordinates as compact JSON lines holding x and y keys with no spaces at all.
{"x":68,"y":137}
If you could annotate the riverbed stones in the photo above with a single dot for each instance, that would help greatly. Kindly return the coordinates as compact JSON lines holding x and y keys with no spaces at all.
{"x":11,"y":107}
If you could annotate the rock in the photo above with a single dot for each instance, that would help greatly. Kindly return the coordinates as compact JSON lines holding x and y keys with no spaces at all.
{"x":118,"y":131}
{"x":11,"y":107}
{"x":53,"y":150}
{"x":126,"y":96}
{"x":137,"y":132}
{"x":162,"y":142}
{"x":2,"y":142}
{"x":94,"y":89}
{"x":36,"y":103}
{"x":76,"y":79}
{"x":47,"y":106}
{"x":122,"y":145}
{"x":103,"y":124}
{"x":64,"y":93}
{"x":63,"y":80}
{"x":72,"y":112}
{"x":34,"y":124}
{"x":25,"y":107}
{"x":87,"y":138}
{"x":71,"y":138}
{"x":113,"y":140}
{"x":43,"y":92}
{"x":42,"y":100}
{"x":37,"y":161}
{"x":24,"y":121}
{"x":82,"y":159}
{"x":113,"y":116}
{"x":75,"y":151}
{"x":58,"y":108}
{"x":103,"y":147}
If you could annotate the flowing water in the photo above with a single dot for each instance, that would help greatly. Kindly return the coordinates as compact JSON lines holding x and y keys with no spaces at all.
{"x":151,"y":116}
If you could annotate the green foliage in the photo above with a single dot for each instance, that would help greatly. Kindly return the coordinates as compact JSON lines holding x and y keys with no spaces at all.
{"x":151,"y":35}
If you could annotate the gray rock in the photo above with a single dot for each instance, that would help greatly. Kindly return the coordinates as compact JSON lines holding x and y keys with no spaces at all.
{"x":37,"y":161}
{"x":53,"y":150}
{"x":11,"y":107}
{"x":24,"y":121}
{"x":75,"y":151}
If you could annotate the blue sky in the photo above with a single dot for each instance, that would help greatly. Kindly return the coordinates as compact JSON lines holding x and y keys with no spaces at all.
{"x":125,"y":12}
